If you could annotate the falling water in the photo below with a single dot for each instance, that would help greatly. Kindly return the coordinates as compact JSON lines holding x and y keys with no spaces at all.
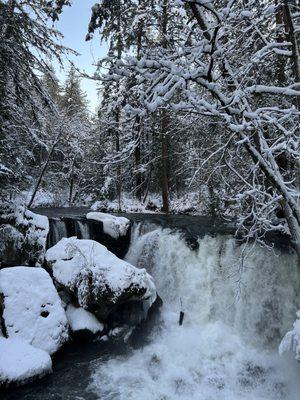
{"x":236,"y":311}
{"x":82,"y":229}
{"x":58,"y":230}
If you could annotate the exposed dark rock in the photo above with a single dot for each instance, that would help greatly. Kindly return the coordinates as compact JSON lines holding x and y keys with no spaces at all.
{"x":100,"y":298}
{"x":84,"y":228}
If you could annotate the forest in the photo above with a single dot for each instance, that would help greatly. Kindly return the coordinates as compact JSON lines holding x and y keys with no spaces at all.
{"x":198,"y":110}
{"x":197,"y":115}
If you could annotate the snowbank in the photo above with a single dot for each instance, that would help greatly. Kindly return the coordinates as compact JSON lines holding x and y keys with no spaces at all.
{"x":194,"y":202}
{"x":20,"y":362}
{"x":100,"y":280}
{"x":291,"y":340}
{"x":81,"y":320}
{"x":32,"y":308}
{"x":112,"y":226}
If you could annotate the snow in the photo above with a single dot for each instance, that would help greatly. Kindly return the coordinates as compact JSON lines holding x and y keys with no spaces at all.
{"x":37,"y":231}
{"x":32,"y":308}
{"x":26,"y":233}
{"x":112,"y":226}
{"x":291,"y":340}
{"x":71,"y":256}
{"x":19,"y":361}
{"x":10,"y":234}
{"x":189,"y":202}
{"x":28,"y":218}
{"x":80,"y":319}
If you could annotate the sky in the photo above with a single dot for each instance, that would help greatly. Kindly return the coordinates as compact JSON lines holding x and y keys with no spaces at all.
{"x":73,"y":24}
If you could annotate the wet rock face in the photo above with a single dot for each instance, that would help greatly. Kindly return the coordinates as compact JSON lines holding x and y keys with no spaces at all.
{"x":133,"y":313}
{"x":90,"y":229}
{"x":191,"y":241}
{"x":95,"y":295}
{"x":119,"y":246}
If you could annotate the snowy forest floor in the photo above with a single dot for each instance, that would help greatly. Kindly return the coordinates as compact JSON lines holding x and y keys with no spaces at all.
{"x":190,"y":203}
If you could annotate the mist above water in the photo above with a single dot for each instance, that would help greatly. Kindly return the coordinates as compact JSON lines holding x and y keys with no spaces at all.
{"x":235,"y":315}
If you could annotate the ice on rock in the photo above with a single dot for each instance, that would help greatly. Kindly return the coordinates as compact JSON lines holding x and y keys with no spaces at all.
{"x":80,"y":320}
{"x":97,"y":277}
{"x":112,"y":226}
{"x":291,"y":340}
{"x":32,"y":309}
{"x":21,"y":362}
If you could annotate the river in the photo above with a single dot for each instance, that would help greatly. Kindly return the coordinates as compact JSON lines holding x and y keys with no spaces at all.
{"x":238,"y":302}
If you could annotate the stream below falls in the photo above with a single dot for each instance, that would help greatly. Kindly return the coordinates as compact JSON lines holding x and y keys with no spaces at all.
{"x":235,"y":314}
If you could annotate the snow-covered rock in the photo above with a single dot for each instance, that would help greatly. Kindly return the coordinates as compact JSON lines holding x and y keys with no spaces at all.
{"x":112,"y":226}
{"x":291,"y":340}
{"x":99,"y":279}
{"x":82,"y":320}
{"x":23,"y":237}
{"x":20,"y":362}
{"x":32,"y":309}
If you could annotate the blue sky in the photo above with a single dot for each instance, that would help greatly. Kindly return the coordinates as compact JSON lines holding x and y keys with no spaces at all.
{"x":73,"y":25}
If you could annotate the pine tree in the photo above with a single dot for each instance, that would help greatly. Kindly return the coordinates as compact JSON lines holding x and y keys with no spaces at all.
{"x":52,"y":85}
{"x":24,"y":33}
{"x":73,"y":100}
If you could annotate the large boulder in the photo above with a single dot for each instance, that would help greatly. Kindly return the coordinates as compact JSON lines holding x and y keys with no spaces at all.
{"x":112,"y":225}
{"x":23,"y":237}
{"x":99,"y":280}
{"x":20,"y":362}
{"x":31,"y":308}
{"x":111,"y":231}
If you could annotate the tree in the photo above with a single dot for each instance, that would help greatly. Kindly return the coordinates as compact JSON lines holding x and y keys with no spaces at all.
{"x":133,"y":27}
{"x":52,"y":85}
{"x":63,"y":165}
{"x":219,"y":67}
{"x":24,"y":34}
{"x":73,"y":100}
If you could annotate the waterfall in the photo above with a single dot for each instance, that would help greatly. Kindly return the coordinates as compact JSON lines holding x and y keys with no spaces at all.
{"x":67,"y":227}
{"x":57,"y":231}
{"x":236,"y":311}
{"x":82,"y":229}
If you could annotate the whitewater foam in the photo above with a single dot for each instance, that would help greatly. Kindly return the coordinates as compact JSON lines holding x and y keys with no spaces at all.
{"x":235,"y":316}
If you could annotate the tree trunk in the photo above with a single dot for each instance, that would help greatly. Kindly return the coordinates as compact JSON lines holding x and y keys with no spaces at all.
{"x":164,"y":136}
{"x":139,"y":123}
{"x":281,"y":61}
{"x":36,"y":188}
{"x":137,"y":159}
{"x":148,"y":185}
{"x":71,"y":182}
{"x":293,"y":225}
{"x":118,"y":118}
{"x":290,"y":28}
{"x":164,"y":132}
{"x":289,"y":24}
{"x":119,"y":171}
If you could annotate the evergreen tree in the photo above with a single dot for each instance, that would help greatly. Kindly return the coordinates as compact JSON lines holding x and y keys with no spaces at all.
{"x":73,"y":100}
{"x":24,"y":33}
{"x":52,"y":85}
